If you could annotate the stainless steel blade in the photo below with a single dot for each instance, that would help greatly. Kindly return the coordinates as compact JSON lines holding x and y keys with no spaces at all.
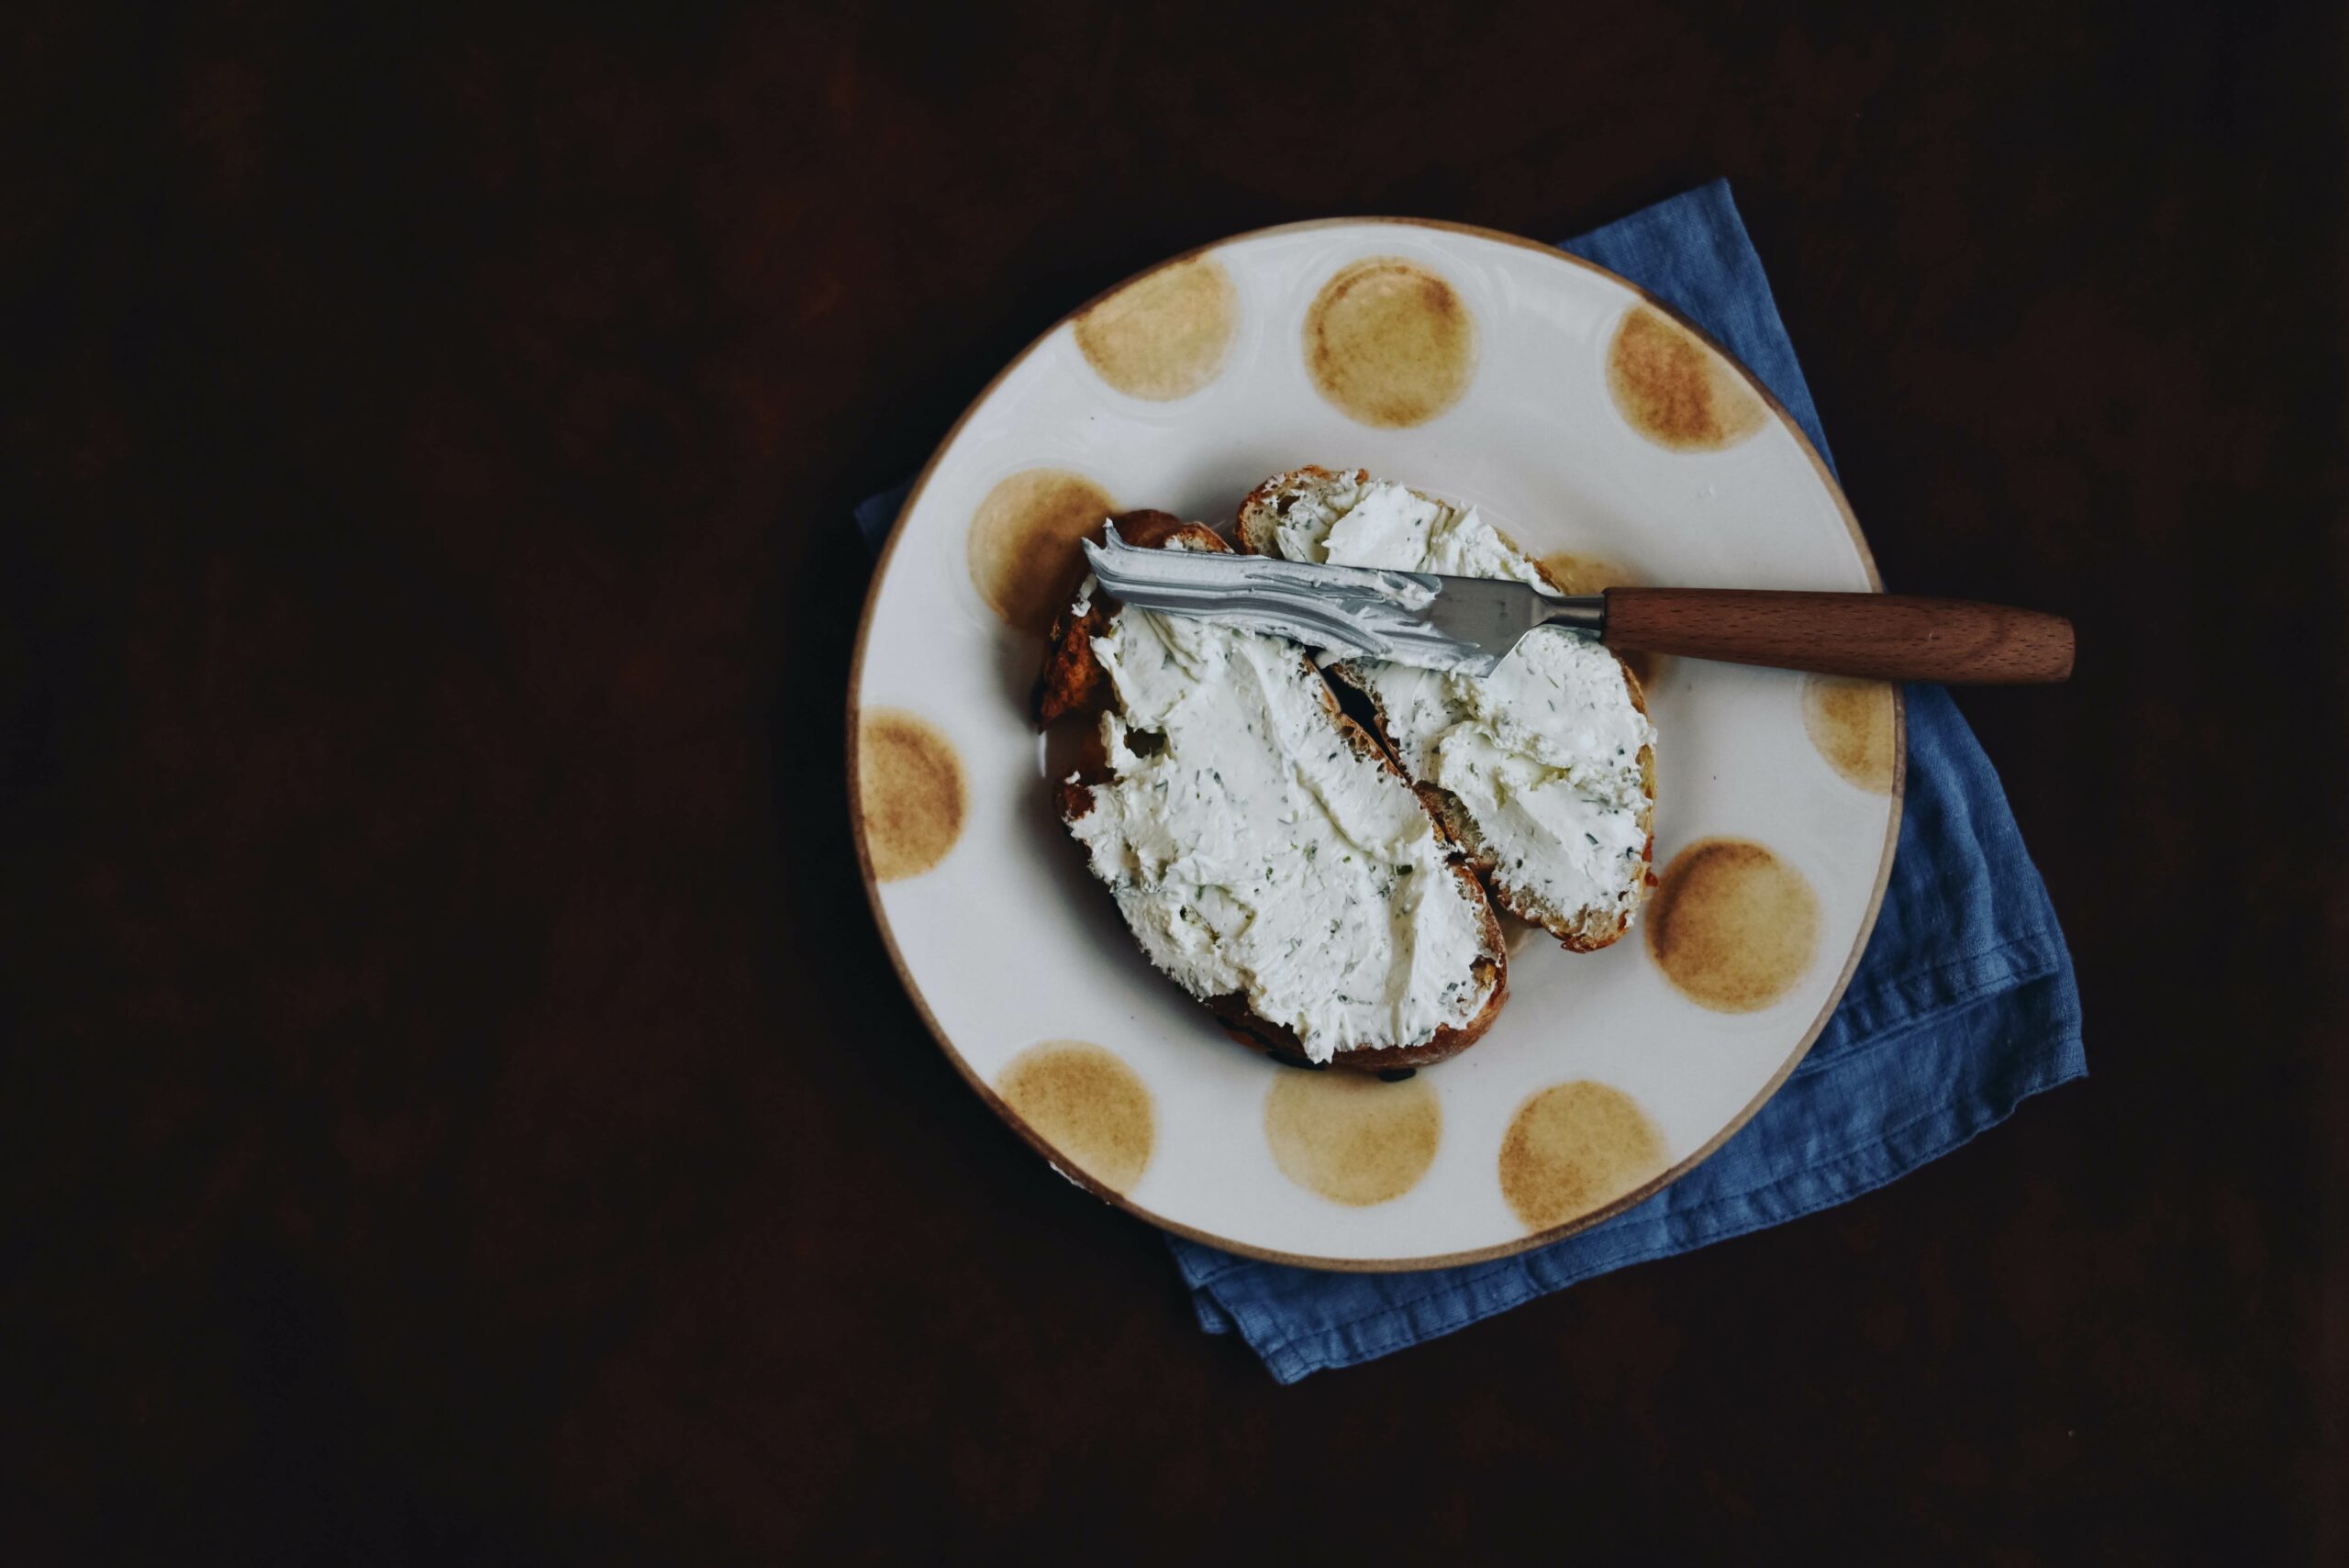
{"x":1492,"y":614}
{"x":1410,"y":617}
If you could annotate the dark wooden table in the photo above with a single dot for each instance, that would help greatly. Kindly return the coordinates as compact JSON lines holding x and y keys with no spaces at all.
{"x":458,"y":1106}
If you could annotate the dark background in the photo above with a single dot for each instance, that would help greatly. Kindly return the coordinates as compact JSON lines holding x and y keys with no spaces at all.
{"x":457,"y":1104}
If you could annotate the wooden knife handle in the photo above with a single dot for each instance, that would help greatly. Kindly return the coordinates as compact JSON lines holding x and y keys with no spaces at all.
{"x":1893,"y":637}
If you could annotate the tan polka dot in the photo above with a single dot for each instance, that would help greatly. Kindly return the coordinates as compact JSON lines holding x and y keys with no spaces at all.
{"x":1570,"y":572}
{"x":1850,"y":723}
{"x":1732,"y":925}
{"x":1351,"y":1138}
{"x":1088,"y":1105}
{"x":1023,"y":544}
{"x":909,"y":788}
{"x":1390,"y":343}
{"x":1165,"y":335}
{"x":1674,"y":389}
{"x":1574,"y":1148}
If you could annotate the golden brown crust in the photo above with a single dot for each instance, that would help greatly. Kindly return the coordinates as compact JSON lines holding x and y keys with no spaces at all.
{"x":1149,"y":530}
{"x":1073,"y":795}
{"x":1073,"y":683}
{"x":1071,"y":680}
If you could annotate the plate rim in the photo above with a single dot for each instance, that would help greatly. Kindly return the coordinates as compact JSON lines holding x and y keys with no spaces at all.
{"x":1077,"y":1175}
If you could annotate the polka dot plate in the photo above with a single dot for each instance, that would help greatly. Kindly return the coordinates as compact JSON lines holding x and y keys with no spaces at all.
{"x":1598,"y":431}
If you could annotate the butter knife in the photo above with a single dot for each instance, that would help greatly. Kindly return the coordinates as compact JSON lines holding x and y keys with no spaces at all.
{"x":1470,"y":624}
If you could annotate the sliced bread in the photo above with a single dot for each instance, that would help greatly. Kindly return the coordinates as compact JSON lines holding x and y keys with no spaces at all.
{"x":1265,"y":852}
{"x":1545,"y":769}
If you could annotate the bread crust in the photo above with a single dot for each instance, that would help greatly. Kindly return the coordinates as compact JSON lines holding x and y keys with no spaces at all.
{"x":1072,"y":685}
{"x":1072,"y":681}
{"x":1577,"y":930}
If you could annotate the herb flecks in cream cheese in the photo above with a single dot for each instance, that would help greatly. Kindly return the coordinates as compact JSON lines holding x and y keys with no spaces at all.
{"x":1545,"y":752}
{"x":1253,"y":850}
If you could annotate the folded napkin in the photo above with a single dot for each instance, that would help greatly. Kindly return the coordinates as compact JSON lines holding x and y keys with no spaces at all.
{"x":1962,"y":1006}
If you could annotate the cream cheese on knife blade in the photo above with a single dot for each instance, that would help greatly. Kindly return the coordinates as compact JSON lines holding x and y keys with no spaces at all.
{"x":1370,"y":614}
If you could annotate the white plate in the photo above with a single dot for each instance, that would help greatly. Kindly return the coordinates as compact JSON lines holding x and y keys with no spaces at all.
{"x":1581,"y":418}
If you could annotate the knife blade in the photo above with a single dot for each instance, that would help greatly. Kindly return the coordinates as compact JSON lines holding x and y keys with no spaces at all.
{"x":1470,"y":624}
{"x":1467,"y":624}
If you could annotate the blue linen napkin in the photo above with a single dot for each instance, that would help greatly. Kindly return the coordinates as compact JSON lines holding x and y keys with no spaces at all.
{"x":1962,"y":1006}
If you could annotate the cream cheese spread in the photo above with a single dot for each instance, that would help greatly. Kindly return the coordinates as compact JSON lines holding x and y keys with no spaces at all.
{"x":1253,"y":851}
{"x":1545,"y":752}
{"x":1362,"y":611}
